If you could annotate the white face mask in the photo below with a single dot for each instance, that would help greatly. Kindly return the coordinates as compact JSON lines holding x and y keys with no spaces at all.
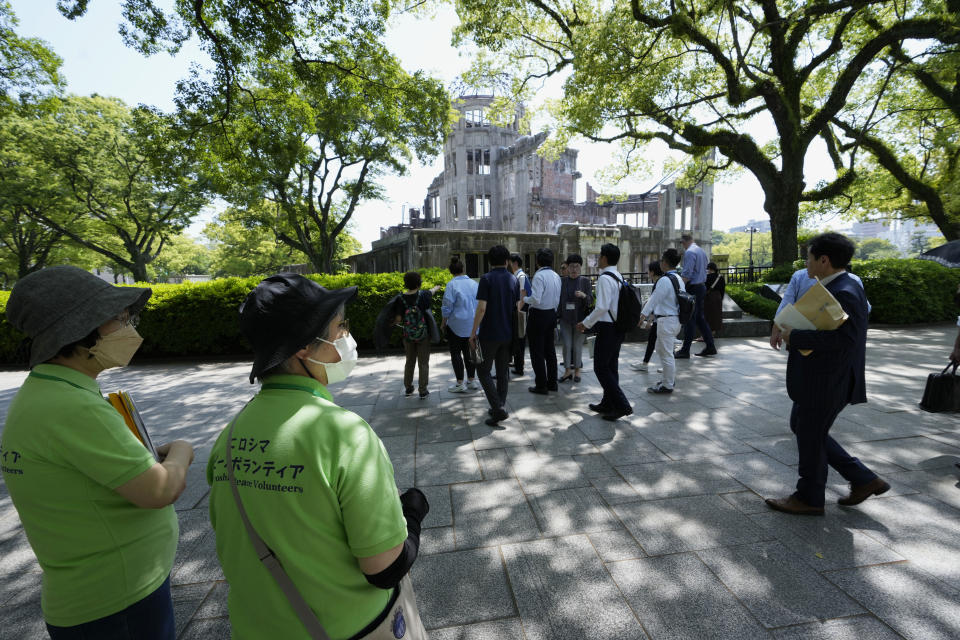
{"x":338,"y":371}
{"x":117,"y":348}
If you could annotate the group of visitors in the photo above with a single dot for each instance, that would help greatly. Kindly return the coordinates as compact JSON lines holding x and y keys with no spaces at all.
{"x":313,"y":534}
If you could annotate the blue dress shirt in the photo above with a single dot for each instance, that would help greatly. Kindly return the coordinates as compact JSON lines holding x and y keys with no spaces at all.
{"x":695,"y":264}
{"x":459,"y":305}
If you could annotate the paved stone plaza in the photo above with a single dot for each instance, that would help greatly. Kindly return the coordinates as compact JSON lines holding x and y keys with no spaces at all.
{"x":561,"y":525}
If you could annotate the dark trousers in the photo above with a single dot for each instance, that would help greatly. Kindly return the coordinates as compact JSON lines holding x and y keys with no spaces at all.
{"x":499,"y":353}
{"x":148,"y":619}
{"x":651,"y":343}
{"x":460,"y":355}
{"x":811,"y":423}
{"x":606,"y":356}
{"x":418,"y":354}
{"x":697,"y":319}
{"x":543,"y":352}
{"x":517,"y":347}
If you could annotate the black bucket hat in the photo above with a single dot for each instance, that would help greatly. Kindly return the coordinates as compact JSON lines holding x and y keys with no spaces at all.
{"x":60,"y":305}
{"x":284,"y":314}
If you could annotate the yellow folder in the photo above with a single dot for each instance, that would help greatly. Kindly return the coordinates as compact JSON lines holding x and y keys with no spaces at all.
{"x":125,"y":406}
{"x":816,"y":309}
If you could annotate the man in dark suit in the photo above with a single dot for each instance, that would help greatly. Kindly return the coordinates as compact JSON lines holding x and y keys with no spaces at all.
{"x":822,"y":383}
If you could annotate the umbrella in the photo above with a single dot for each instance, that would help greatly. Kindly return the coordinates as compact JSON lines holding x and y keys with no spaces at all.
{"x":946,"y":254}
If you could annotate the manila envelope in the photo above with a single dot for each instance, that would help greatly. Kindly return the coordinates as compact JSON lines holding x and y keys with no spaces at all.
{"x":818,"y":307}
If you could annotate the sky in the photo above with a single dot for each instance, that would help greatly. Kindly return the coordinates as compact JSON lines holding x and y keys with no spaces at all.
{"x":96,"y":61}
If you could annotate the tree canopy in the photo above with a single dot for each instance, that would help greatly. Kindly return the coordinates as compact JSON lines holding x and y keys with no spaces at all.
{"x":702,"y":74}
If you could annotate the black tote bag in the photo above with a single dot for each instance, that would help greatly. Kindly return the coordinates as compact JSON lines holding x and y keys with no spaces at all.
{"x":942,"y":392}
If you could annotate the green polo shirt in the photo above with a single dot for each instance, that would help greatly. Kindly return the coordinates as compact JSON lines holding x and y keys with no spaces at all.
{"x":65,"y":449}
{"x":318,"y":487}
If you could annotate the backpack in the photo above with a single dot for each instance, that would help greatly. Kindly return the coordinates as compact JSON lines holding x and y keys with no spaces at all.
{"x":628,"y":306}
{"x":685,"y":302}
{"x":414,"y":324}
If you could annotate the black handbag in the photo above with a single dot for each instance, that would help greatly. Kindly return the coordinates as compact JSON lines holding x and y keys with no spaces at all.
{"x":942,"y":392}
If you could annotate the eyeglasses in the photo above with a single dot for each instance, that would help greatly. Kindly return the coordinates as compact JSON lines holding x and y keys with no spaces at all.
{"x":126,"y":320}
{"x":341,"y":330}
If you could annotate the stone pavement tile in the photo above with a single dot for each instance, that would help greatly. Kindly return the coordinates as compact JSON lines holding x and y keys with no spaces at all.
{"x":687,"y":524}
{"x":521,"y":452}
{"x":508,"y":629}
{"x":199,"y":563}
{"x":23,"y":621}
{"x":904,"y":517}
{"x":839,"y":629}
{"x":490,"y":513}
{"x":197,"y":487}
{"x":832,"y":542}
{"x":401,"y":450}
{"x":674,"y":479}
{"x":912,"y":602}
{"x":215,"y":605}
{"x":616,"y":545}
{"x":678,"y":441}
{"x":494,"y":464}
{"x":440,"y":515}
{"x":393,"y":424}
{"x":568,"y":511}
{"x":941,"y":483}
{"x":564,"y":439}
{"x":437,"y":540}
{"x":594,"y":427}
{"x":208,"y":629}
{"x":17,"y":556}
{"x":746,"y":501}
{"x":563,"y":592}
{"x":769,"y":420}
{"x":19,"y":587}
{"x":950,"y":438}
{"x":676,"y":597}
{"x":630,"y":450}
{"x":508,"y":433}
{"x":615,"y":490}
{"x":594,"y":465}
{"x":443,"y":428}
{"x":917,"y":452}
{"x":538,"y":475}
{"x":187,"y":599}
{"x":446,"y":462}
{"x":782,"y":448}
{"x":776,"y":585}
{"x":461,"y":587}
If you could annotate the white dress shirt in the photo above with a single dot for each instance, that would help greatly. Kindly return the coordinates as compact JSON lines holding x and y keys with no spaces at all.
{"x":608,"y":295}
{"x":663,"y":300}
{"x":545,"y":292}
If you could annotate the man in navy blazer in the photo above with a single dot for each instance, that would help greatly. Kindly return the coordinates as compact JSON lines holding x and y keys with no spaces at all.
{"x":822,"y":383}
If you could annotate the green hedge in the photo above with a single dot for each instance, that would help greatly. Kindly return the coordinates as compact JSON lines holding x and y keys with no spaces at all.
{"x":748,"y":298}
{"x":200,"y":319}
{"x":902,"y":291}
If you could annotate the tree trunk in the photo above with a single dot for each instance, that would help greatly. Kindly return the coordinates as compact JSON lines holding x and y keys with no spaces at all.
{"x":139,"y":269}
{"x":783,"y":228}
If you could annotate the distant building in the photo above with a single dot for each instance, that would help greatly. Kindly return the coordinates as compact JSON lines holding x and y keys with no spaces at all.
{"x":496,"y":189}
{"x":762,"y":226}
{"x":897,"y":231}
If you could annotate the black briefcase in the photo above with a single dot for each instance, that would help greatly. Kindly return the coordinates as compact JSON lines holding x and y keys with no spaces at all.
{"x":942,"y":392}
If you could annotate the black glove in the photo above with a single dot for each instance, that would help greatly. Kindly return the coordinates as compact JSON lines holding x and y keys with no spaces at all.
{"x":414,"y":504}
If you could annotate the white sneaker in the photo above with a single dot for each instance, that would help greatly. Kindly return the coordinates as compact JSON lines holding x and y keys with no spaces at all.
{"x":473,"y":385}
{"x":639,"y":366}
{"x":457,"y":388}
{"x":659,"y":370}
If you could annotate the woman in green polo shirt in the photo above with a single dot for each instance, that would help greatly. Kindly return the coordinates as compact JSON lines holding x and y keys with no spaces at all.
{"x":313,"y":482}
{"x":95,"y":504}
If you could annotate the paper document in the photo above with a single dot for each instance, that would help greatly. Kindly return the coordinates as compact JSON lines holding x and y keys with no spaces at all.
{"x":125,"y":406}
{"x":816,"y":309}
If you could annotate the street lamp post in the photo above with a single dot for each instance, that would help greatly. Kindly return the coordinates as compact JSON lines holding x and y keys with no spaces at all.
{"x":752,"y":230}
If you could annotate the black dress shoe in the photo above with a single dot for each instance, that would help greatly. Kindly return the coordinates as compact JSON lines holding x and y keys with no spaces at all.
{"x":682,"y":355}
{"x":616,"y":415}
{"x":553,"y":387}
{"x":495,"y":417}
{"x":708,"y":352}
{"x":599,"y":408}
{"x":541,"y":390}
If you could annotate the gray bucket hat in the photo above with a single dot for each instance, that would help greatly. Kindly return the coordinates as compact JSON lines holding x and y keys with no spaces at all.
{"x":57,"y":306}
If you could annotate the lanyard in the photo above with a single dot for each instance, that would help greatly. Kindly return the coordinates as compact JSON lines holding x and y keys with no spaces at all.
{"x":43,"y":376}
{"x":293,"y":387}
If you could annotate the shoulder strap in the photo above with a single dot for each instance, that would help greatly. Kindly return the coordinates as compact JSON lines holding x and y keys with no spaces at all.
{"x":676,"y":287}
{"x":269,"y":558}
{"x":715,"y":281}
{"x":619,"y":284}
